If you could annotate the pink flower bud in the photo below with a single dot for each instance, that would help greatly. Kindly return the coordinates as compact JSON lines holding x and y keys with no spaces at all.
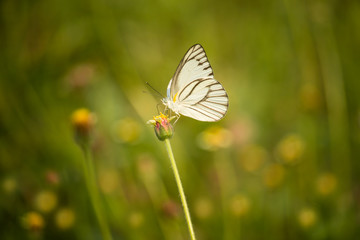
{"x":162,"y":126}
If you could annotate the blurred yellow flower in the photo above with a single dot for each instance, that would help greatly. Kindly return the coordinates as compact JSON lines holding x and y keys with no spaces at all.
{"x":214,"y":138}
{"x":82,"y":120}
{"x":45,"y":201}
{"x":273,"y":175}
{"x":204,"y":208}
{"x":307,"y":217}
{"x":9,"y":185}
{"x":33,"y":221}
{"x":127,"y":130}
{"x":252,"y":157}
{"x":326,"y":184}
{"x":240,"y":205}
{"x":109,"y":180}
{"x":136,"y":219}
{"x":291,"y":148}
{"x":65,"y":218}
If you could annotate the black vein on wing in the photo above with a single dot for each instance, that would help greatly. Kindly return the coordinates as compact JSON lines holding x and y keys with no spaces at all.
{"x":200,"y":81}
{"x":222,"y":104}
{"x":197,"y":54}
{"x":212,"y":109}
{"x":188,"y":58}
{"x":205,"y":99}
{"x":209,"y":111}
{"x":215,"y":119}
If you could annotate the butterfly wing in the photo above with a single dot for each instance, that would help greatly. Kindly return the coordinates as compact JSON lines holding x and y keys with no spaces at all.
{"x":204,"y":100}
{"x":194,"y":65}
{"x":194,"y":90}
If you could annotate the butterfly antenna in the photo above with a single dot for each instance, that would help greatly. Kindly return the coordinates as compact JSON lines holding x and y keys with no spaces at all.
{"x":155,"y":90}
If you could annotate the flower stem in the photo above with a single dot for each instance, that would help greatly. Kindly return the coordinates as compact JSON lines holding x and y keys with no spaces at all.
{"x":180,"y":188}
{"x":90,"y":180}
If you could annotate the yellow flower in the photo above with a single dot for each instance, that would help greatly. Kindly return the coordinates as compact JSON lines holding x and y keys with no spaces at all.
{"x":64,"y":218}
{"x":9,"y":185}
{"x":273,"y":175}
{"x":82,"y":118}
{"x":240,"y":205}
{"x":326,"y":184}
{"x":136,"y":219}
{"x":33,"y":221}
{"x":127,"y":130}
{"x":214,"y":138}
{"x":109,"y":180}
{"x":204,"y":208}
{"x":252,"y":157}
{"x":45,"y":201}
{"x":291,"y":148}
{"x":83,"y":121}
{"x":307,"y":217}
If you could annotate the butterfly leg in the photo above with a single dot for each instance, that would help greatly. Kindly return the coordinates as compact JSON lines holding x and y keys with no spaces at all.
{"x":167,"y":111}
{"x":177,"y":118}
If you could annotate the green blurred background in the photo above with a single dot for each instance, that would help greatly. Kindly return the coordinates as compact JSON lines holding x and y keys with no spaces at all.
{"x":282,"y":164}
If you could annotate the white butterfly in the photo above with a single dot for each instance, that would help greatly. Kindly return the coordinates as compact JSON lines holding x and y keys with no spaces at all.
{"x":193,"y":91}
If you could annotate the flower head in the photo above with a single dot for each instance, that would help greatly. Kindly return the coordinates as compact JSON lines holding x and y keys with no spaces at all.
{"x":204,"y":208}
{"x":274,"y":175}
{"x":136,"y":219}
{"x":162,"y":126}
{"x":65,"y":218}
{"x":326,"y":184}
{"x":215,"y":138}
{"x":127,"y":130}
{"x":252,"y":157}
{"x":291,"y":148}
{"x":33,"y":221}
{"x":240,"y":205}
{"x":83,"y":121}
{"x":45,"y":201}
{"x":9,"y":185}
{"x":307,"y":217}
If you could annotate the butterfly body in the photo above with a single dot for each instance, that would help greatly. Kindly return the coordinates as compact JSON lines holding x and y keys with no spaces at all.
{"x":193,"y":91}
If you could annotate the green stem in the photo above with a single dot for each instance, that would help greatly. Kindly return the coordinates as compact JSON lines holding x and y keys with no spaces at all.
{"x":180,"y":188}
{"x":90,"y":180}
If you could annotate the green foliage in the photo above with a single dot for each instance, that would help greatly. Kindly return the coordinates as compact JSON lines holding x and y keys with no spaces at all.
{"x":283,"y":163}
